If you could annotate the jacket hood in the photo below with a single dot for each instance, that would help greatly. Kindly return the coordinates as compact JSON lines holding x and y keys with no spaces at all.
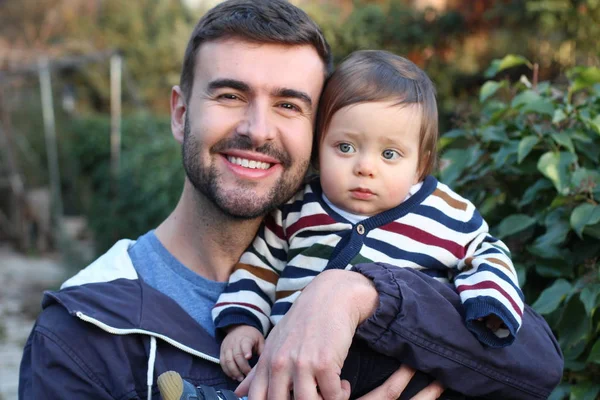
{"x":110,"y":294}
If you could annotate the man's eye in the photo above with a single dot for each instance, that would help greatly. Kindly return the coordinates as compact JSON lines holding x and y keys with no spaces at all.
{"x":290,"y":106}
{"x":390,"y":154}
{"x":229,"y":96}
{"x":346,"y":148}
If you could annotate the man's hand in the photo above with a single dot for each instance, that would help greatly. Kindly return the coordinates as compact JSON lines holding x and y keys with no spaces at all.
{"x":237,"y":348}
{"x":393,"y":387}
{"x":307,"y":348}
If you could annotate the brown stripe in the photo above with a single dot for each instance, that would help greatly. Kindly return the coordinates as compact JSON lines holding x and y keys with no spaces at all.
{"x":451,"y":201}
{"x":284,"y":293}
{"x":502,"y":263}
{"x":468,"y":264}
{"x":260,"y":273}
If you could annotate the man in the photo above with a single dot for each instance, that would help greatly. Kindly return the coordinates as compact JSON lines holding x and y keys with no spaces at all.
{"x":244,"y":114}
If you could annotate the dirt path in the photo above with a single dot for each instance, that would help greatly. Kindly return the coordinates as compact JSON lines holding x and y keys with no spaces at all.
{"x":22,"y":280}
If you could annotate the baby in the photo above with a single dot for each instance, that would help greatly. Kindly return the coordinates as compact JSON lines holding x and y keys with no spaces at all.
{"x":374,"y":201}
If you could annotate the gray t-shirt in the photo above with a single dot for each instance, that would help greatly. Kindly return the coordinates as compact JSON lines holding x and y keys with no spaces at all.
{"x":161,"y":270}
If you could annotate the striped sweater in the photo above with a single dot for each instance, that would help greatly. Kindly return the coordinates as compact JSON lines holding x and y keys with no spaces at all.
{"x":435,"y":231}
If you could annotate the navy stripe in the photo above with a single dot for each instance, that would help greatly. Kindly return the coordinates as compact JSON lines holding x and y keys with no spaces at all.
{"x":296,"y":272}
{"x":496,"y":271}
{"x":281,"y":308}
{"x":439,"y":216}
{"x":247,"y":284}
{"x":280,"y":254}
{"x":395,"y":252}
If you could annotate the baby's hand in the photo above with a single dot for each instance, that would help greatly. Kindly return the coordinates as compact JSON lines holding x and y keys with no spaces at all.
{"x":493,"y":322}
{"x":237,"y":348}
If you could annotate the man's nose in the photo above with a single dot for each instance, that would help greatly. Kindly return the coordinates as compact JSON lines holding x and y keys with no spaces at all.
{"x":257,"y":124}
{"x":364,"y":166}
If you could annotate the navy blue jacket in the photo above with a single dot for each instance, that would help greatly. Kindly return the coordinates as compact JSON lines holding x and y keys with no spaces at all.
{"x":107,"y":335}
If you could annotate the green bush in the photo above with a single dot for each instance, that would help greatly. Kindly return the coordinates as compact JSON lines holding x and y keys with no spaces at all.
{"x":531,"y":162}
{"x":149,"y":181}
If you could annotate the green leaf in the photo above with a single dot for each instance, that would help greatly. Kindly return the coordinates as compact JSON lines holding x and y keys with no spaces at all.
{"x":585,"y":391}
{"x":586,"y":181}
{"x":489,"y":89}
{"x":559,"y":116}
{"x":582,"y":215}
{"x":530,"y":101}
{"x":455,"y":133}
{"x":521,"y":273}
{"x":552,"y":268}
{"x":593,"y":231}
{"x":594,"y":356}
{"x":493,"y":134}
{"x":502,"y":156}
{"x":560,"y":392}
{"x":492,"y":69}
{"x":555,"y":166}
{"x":532,"y":191}
{"x":549,"y":245}
{"x":584,"y":78}
{"x":525,"y":146}
{"x":574,"y":325}
{"x":453,"y":162}
{"x":511,"y":60}
{"x":595,"y":123}
{"x":551,"y":298}
{"x":513,"y":224}
{"x":564,"y":140}
{"x":588,"y":297}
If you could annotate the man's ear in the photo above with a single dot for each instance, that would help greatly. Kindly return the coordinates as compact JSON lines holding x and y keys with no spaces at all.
{"x":178,"y":113}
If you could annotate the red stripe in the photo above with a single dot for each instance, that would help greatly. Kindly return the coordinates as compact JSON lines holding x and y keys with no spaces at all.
{"x":271,"y":225}
{"x":491,"y":285}
{"x":312,"y":220}
{"x":424,"y":237}
{"x":252,"y":306}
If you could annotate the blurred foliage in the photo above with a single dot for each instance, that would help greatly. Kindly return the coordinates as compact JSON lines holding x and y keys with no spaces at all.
{"x":531,"y":161}
{"x":148,"y":185}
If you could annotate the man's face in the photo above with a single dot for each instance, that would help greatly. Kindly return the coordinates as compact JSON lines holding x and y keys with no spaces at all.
{"x":249,"y":123}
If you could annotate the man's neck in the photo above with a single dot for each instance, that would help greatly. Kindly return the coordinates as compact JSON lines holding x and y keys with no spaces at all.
{"x":202,"y":238}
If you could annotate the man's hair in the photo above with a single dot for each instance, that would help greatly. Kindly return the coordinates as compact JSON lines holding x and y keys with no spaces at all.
{"x":374,"y":76}
{"x":256,"y":21}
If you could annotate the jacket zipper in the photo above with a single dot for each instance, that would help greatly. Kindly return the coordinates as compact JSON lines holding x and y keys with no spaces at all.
{"x":116,"y":331}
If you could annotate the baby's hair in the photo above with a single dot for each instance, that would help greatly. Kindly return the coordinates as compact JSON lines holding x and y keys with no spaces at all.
{"x":374,"y":76}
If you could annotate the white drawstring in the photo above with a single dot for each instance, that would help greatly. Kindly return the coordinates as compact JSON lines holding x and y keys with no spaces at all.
{"x":151,"y":359}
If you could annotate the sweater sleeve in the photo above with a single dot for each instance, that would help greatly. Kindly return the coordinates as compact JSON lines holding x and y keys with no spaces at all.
{"x":420,"y":322}
{"x":250,"y":292}
{"x":488,"y":285}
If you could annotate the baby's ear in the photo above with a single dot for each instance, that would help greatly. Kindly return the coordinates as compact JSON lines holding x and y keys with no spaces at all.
{"x":424,"y":161}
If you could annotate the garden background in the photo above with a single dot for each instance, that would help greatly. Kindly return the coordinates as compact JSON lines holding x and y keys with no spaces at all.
{"x":518,"y":86}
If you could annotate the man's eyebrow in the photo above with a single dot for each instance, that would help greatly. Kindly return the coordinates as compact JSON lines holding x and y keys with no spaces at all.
{"x":227,"y":83}
{"x":295,"y":94}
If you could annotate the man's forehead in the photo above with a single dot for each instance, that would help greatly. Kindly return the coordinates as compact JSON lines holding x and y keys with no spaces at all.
{"x":263,"y":66}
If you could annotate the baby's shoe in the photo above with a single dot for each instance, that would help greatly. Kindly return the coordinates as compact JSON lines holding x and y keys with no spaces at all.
{"x":173,"y":387}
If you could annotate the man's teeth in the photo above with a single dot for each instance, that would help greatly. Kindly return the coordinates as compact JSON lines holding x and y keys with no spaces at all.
{"x":248,"y":163}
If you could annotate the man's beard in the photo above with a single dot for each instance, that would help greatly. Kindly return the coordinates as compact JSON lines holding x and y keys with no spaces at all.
{"x":239,"y":202}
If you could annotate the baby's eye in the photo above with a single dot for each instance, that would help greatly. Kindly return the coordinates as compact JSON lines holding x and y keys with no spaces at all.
{"x":390,"y":154}
{"x":346,"y":148}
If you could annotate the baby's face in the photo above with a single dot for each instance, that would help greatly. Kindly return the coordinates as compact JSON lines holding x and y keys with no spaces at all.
{"x":369,"y":156}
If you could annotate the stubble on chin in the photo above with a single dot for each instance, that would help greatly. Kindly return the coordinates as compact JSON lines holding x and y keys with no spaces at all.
{"x":240,"y":202}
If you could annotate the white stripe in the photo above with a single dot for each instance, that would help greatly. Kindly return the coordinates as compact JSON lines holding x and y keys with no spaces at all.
{"x":486,"y":276}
